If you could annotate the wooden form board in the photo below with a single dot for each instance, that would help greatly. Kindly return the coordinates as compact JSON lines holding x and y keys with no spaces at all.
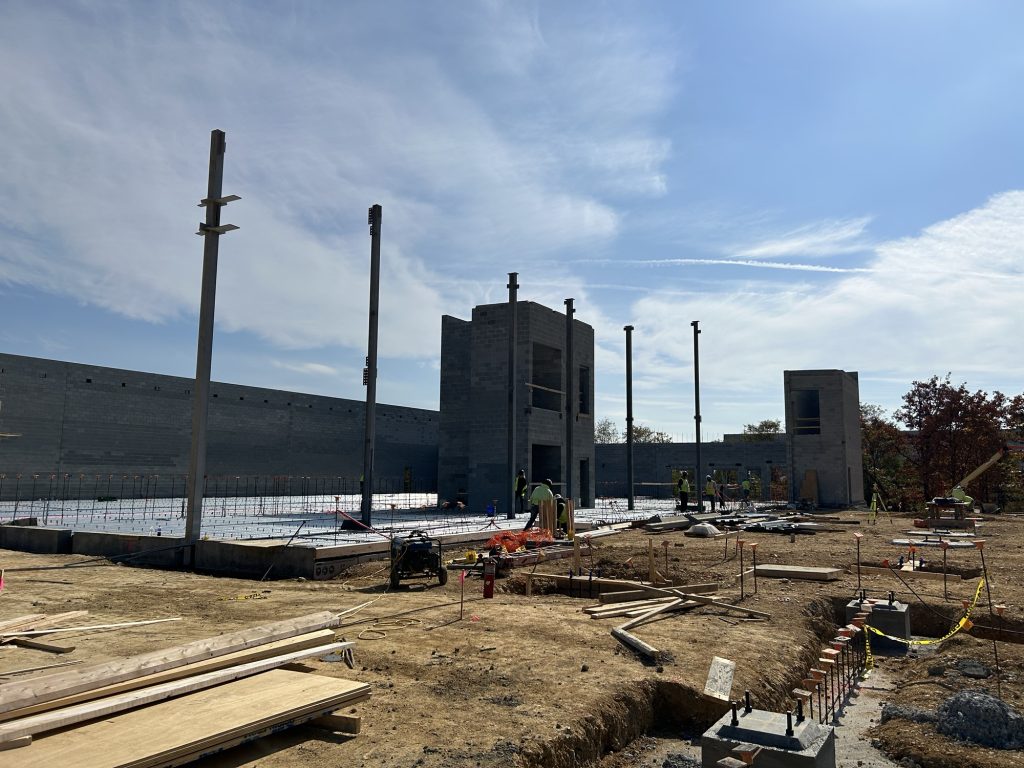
{"x":201,"y":722}
{"x":803,"y":572}
{"x":870,"y":570}
{"x":49,"y":687}
{"x":297,"y":643}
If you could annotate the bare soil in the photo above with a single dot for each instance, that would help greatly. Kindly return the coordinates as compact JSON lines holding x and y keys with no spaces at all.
{"x":517,"y":681}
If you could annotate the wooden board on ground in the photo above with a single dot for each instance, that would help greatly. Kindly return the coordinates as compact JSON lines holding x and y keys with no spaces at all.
{"x":23,"y":694}
{"x":870,"y":570}
{"x":201,"y":721}
{"x":802,"y":572}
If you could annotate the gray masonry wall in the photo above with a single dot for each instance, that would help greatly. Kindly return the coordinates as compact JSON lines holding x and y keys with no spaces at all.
{"x":653,"y":464}
{"x":81,"y":419}
{"x":474,"y":403}
{"x":835,"y":453}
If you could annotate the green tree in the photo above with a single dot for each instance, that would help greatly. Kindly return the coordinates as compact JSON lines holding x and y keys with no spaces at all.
{"x":605,"y":431}
{"x":763,"y":432}
{"x":644,"y":434}
{"x":886,"y":458}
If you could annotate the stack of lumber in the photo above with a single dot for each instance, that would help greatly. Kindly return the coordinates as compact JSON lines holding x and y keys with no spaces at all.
{"x":673,"y":600}
{"x":217,"y":692}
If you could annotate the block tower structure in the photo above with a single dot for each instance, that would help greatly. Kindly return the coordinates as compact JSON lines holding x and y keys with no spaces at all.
{"x":473,"y":445}
{"x":823,"y":437}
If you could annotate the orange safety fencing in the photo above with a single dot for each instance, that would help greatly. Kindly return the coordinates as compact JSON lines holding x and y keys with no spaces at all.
{"x":513,"y":541}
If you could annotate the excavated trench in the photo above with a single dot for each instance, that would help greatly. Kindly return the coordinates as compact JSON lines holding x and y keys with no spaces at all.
{"x":654,"y":707}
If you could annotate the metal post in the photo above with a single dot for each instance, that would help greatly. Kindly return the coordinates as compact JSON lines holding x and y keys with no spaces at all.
{"x":370,"y":372}
{"x":211,"y":230}
{"x":629,"y":415}
{"x":513,"y":318}
{"x":696,"y":399}
{"x":570,"y":398}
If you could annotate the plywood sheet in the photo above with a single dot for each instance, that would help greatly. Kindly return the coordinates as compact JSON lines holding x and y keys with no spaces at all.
{"x":200,"y":721}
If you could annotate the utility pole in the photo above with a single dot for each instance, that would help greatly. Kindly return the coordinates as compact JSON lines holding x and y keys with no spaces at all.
{"x":210,"y":230}
{"x":370,"y":371}
{"x":696,"y":417}
{"x":513,"y":317}
{"x":570,"y":397}
{"x":629,"y":414}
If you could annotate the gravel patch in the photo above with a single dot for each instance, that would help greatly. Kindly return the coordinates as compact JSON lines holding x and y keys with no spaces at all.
{"x":980,"y":718}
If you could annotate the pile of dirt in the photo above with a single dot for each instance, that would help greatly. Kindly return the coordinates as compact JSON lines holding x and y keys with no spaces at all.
{"x":981,"y":718}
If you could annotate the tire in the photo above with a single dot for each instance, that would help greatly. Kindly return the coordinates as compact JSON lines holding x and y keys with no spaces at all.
{"x":442,"y":576}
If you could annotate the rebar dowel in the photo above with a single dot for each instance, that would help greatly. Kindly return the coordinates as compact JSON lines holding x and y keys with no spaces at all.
{"x":735,"y":715}
{"x":789,"y":723}
{"x":800,"y":710}
{"x":747,"y":705}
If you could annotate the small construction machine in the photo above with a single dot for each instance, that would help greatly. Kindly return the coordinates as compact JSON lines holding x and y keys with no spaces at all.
{"x":416,"y":555}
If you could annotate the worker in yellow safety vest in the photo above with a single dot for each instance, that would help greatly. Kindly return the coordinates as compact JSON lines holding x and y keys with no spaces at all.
{"x":519,"y":486}
{"x":683,"y":490}
{"x":710,"y":490}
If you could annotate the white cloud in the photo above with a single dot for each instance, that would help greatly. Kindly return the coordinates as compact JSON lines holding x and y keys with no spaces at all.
{"x":825,"y":238}
{"x":318,"y":369}
{"x":945,"y":300}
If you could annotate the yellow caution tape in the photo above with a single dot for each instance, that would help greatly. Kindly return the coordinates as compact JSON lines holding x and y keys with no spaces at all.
{"x":963,"y":623}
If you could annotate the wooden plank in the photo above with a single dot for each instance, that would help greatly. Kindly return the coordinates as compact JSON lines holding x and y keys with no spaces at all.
{"x":61,"y":718}
{"x":622,"y":608}
{"x":39,"y":645}
{"x":803,"y":572}
{"x":25,"y":670}
{"x":871,"y":570}
{"x":19,"y":621}
{"x":635,"y":594}
{"x":23,"y":694}
{"x":90,"y":628}
{"x":715,"y":601}
{"x":24,"y":741}
{"x":634,"y":642}
{"x":308,"y":640}
{"x":201,"y":722}
{"x":336,"y":722}
{"x":651,"y":612}
{"x":54,"y":620}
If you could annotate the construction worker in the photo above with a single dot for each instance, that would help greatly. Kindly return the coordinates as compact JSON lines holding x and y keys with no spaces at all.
{"x":562,"y":513}
{"x":710,"y":491}
{"x":519,"y":487}
{"x":541,"y":493}
{"x":746,"y":489}
{"x":683,"y":490}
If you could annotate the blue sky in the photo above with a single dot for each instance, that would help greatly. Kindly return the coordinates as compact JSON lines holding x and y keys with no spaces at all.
{"x":822,"y":185}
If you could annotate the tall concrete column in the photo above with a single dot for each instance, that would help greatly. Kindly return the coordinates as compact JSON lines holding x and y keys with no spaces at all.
{"x":696,"y":416}
{"x":210,"y":230}
{"x":629,"y":416}
{"x":370,"y":373}
{"x":570,"y":398}
{"x":513,"y":323}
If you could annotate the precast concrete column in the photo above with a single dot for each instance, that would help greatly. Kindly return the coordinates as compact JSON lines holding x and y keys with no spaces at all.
{"x":629,"y":415}
{"x":370,"y":372}
{"x":513,"y":323}
{"x":211,"y":230}
{"x":696,"y":416}
{"x":570,"y":397}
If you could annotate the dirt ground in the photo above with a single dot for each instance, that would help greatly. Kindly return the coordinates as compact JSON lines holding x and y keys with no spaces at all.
{"x":517,"y":681}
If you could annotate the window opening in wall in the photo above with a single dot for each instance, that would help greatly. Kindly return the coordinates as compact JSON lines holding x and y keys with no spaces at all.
{"x":123,"y":384}
{"x":807,"y":407}
{"x":584,"y":379}
{"x":241,"y":397}
{"x":215,"y":395}
{"x":546,"y":378}
{"x":88,"y":381}
{"x":546,"y":463}
{"x":43,"y":376}
{"x":156,"y":389}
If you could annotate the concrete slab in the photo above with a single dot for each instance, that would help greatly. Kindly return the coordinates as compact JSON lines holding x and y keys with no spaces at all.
{"x":811,"y":745}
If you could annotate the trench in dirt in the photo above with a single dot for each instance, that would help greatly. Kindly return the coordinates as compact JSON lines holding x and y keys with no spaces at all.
{"x":655,"y":707}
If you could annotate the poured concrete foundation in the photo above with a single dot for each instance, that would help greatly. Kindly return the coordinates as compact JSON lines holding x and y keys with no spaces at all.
{"x":31,"y":538}
{"x":811,"y":744}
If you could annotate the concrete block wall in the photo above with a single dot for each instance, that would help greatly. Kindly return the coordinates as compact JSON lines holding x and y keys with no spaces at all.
{"x":835,"y":453}
{"x":474,"y":401}
{"x":81,"y":419}
{"x":654,"y":462}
